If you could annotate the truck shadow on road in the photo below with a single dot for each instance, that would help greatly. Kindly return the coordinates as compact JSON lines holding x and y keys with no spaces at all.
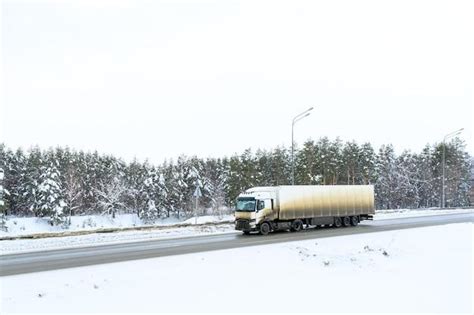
{"x":310,"y":229}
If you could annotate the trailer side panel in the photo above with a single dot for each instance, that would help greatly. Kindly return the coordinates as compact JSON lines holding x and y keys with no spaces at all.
{"x":324,"y":201}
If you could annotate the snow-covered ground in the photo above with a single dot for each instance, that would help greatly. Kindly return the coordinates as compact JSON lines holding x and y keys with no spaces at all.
{"x":417,"y":270}
{"x":162,"y":231}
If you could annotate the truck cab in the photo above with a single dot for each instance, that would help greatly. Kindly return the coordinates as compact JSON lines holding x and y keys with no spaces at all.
{"x":253,"y":207}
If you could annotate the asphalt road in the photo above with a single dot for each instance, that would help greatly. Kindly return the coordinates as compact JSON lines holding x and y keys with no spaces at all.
{"x":13,"y":264}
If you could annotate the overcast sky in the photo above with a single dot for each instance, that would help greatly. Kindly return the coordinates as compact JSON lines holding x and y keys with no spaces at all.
{"x":156,"y":79}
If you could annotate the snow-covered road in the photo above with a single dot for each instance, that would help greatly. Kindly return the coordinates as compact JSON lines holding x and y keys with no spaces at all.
{"x":412,"y":270}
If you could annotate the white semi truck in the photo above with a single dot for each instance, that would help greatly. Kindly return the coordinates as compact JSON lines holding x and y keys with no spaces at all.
{"x":267,"y":209}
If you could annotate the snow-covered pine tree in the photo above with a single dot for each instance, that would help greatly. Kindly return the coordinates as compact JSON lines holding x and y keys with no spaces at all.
{"x":167,"y":173}
{"x":324,"y":159}
{"x":4,"y":157}
{"x":248,"y":167}
{"x":179,"y":187}
{"x":428,"y":183}
{"x":281,"y":166}
{"x":3,"y":219}
{"x":351,"y":163}
{"x":50,"y":201}
{"x":31,"y":182}
{"x":149,"y":191}
{"x":134,"y":179}
{"x":457,"y":174}
{"x":263,"y":176}
{"x":335,"y":160}
{"x":386,"y":184}
{"x":226,"y":171}
{"x":408,"y":183}
{"x":65,"y":161}
{"x":3,"y":205}
{"x":235,"y":180}
{"x":214,"y":184}
{"x":367,"y":164}
{"x":306,"y":165}
{"x":193,"y":180}
{"x":89,"y":166}
{"x":15,"y":182}
{"x":161,"y":193}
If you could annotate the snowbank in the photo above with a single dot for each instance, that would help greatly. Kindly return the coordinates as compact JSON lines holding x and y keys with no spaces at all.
{"x":403,"y":213}
{"x":92,"y":239}
{"x":415,"y":270}
{"x":25,"y":226}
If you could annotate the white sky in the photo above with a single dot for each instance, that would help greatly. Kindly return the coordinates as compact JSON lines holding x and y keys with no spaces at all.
{"x":154,"y":79}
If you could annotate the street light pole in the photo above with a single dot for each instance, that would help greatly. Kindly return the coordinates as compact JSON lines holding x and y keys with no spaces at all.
{"x":449,"y":135}
{"x":297,"y":118}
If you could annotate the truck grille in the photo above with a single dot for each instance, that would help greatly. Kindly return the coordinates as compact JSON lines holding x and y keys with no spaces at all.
{"x":242,"y":225}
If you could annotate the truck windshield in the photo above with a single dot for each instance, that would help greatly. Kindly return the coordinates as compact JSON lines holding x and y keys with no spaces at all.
{"x":245,"y":204}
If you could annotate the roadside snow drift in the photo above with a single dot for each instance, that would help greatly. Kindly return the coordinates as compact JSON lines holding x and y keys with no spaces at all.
{"x":17,"y":226}
{"x":414,"y":270}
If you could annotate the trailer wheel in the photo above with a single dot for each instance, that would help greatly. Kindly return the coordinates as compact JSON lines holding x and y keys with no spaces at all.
{"x":346,"y":221}
{"x":264,"y":228}
{"x":337,"y":222}
{"x":296,"y":226}
{"x":354,"y":221}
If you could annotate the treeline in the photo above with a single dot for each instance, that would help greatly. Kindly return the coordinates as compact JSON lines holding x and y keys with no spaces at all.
{"x":60,"y":182}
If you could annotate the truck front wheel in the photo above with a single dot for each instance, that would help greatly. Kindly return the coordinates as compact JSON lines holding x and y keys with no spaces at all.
{"x":264,"y":228}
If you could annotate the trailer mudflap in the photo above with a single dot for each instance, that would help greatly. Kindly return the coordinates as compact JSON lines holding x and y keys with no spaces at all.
{"x":366,"y":217}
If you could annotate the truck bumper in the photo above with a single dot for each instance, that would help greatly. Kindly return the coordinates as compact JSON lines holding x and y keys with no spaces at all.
{"x":245,"y":225}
